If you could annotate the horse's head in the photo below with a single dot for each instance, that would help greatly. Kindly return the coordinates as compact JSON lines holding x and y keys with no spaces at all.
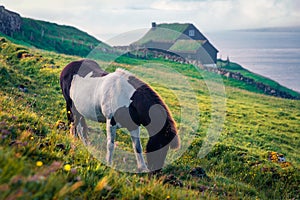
{"x":159,"y":144}
{"x":147,"y":108}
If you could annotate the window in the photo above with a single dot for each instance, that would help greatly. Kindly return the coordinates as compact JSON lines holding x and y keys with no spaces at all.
{"x":191,"y":33}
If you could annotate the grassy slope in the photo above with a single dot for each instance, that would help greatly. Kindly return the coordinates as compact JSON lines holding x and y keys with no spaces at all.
{"x":238,"y":164}
{"x":234,"y":67}
{"x":58,"y":38}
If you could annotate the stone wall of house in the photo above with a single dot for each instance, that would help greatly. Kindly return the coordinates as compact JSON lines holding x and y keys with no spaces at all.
{"x":10,"y":22}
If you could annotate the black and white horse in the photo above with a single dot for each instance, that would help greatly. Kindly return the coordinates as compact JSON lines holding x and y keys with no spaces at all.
{"x":122,"y":101}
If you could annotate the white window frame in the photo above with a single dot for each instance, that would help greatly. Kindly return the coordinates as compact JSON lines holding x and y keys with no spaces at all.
{"x":191,"y":32}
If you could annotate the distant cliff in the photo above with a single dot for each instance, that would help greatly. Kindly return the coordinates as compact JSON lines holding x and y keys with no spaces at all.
{"x":10,"y":22}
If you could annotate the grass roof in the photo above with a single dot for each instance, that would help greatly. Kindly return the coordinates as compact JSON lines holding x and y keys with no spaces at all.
{"x":174,"y":26}
{"x":186,"y":45}
{"x":163,"y":33}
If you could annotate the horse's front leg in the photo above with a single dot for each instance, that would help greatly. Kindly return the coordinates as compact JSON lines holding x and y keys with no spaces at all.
{"x":110,"y":136}
{"x":136,"y":143}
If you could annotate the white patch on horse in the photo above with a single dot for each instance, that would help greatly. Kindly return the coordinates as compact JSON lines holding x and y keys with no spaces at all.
{"x":116,"y":92}
{"x":109,"y":93}
{"x":82,"y":93}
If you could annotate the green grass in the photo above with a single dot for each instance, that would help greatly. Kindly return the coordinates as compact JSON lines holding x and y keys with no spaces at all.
{"x":238,"y":166}
{"x":234,"y":67}
{"x":58,"y":38}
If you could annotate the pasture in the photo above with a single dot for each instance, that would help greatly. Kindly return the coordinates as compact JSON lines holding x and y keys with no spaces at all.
{"x":40,"y":160}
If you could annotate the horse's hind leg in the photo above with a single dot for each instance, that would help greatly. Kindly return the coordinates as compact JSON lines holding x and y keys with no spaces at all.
{"x":71,"y":120}
{"x":110,"y":134}
{"x":78,"y":126}
{"x":82,"y":129}
{"x":136,"y":143}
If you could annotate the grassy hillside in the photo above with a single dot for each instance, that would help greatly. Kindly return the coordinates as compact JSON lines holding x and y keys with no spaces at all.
{"x":236,"y":68}
{"x":58,"y":38}
{"x":40,"y":160}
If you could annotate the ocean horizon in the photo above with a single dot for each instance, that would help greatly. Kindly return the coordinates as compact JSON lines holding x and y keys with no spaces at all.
{"x":271,"y":53}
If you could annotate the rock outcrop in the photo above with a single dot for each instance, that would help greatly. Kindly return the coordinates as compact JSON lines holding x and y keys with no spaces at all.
{"x":10,"y":22}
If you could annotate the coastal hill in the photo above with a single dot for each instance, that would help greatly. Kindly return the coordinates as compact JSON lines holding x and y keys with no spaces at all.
{"x":256,"y":155}
{"x":47,"y":35}
{"x":69,"y":40}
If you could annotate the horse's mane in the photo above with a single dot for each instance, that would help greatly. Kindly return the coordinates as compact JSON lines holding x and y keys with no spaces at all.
{"x":124,"y":72}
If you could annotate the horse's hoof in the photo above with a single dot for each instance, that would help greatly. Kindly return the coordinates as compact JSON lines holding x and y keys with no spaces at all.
{"x":143,"y":170}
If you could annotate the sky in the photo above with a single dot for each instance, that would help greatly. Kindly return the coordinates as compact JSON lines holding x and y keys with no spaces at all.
{"x":105,"y":19}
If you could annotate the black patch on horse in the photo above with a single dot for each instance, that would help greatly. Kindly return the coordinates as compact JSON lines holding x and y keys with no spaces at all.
{"x":125,"y":119}
{"x":82,"y":68}
{"x":142,"y":100}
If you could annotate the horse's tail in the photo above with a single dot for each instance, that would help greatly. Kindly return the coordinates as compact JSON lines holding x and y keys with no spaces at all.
{"x":175,"y":143}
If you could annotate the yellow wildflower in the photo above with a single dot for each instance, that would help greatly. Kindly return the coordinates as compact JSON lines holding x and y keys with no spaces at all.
{"x":67,"y":167}
{"x":39,"y":163}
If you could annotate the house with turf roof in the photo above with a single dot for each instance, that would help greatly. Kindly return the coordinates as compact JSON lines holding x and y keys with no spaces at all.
{"x":184,"y":40}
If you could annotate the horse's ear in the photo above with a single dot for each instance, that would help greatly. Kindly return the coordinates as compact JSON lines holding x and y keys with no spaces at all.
{"x":175,"y":142}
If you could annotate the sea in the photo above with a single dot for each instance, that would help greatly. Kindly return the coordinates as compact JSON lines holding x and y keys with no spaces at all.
{"x":273,"y":53}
